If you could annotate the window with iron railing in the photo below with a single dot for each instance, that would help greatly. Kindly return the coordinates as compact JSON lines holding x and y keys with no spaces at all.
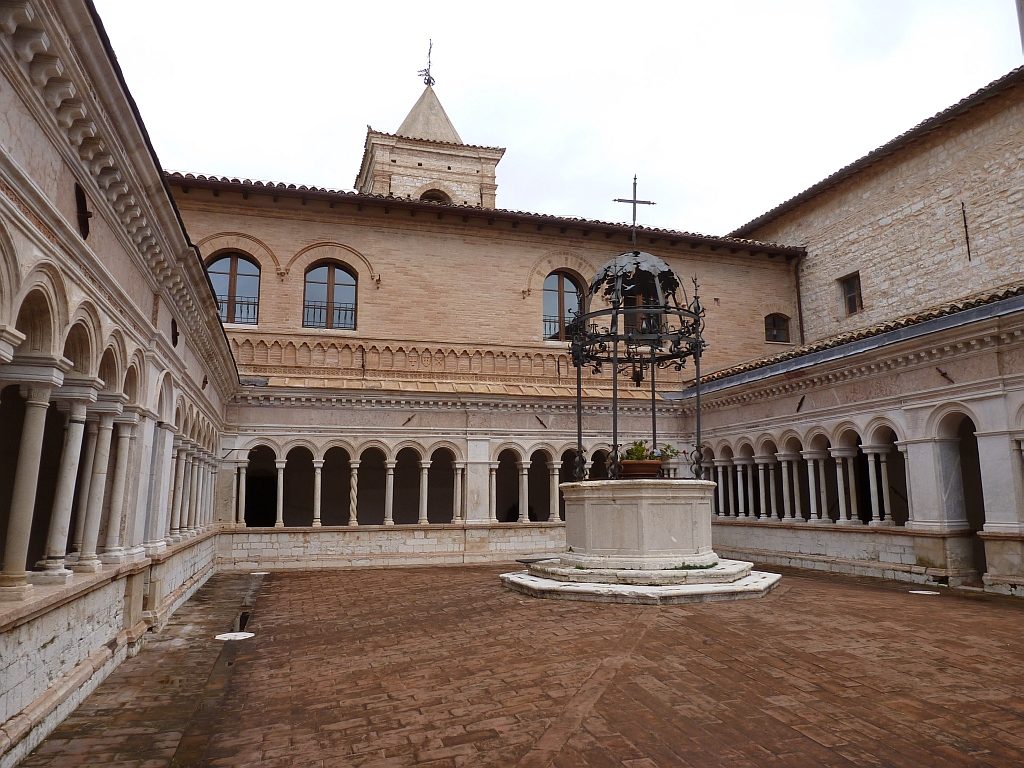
{"x":776,"y":327}
{"x":561,"y":304}
{"x":236,"y":282}
{"x":329,"y":298}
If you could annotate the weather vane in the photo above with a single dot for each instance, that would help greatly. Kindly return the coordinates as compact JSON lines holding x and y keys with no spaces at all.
{"x":428,"y":78}
{"x":635,"y":203}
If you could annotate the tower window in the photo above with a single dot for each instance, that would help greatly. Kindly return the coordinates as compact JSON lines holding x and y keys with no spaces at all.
{"x":776,"y":328}
{"x":561,"y":304}
{"x":849,"y":288}
{"x":82,"y":212}
{"x":435,"y":196}
{"x":236,"y":281}
{"x":330,"y":297}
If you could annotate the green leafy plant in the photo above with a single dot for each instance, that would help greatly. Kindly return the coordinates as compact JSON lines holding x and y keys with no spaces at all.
{"x":685,"y":567}
{"x":639,"y":451}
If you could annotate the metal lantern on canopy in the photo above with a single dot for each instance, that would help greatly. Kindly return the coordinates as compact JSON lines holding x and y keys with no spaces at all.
{"x":641,"y":326}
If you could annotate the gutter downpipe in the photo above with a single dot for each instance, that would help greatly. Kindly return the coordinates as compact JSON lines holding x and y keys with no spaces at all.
{"x":799,"y":301}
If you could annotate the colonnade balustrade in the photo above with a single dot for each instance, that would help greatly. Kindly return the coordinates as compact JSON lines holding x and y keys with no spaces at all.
{"x":797,"y":485}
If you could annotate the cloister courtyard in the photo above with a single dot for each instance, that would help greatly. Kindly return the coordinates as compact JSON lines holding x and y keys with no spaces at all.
{"x":440,"y":666}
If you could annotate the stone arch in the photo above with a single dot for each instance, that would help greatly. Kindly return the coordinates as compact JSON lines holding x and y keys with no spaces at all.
{"x":165,"y":397}
{"x":132,"y":386}
{"x":457,"y":454}
{"x":379,"y":445}
{"x":444,"y":189}
{"x":110,"y":369}
{"x":86,"y":318}
{"x":546,"y":448}
{"x":879,"y":423}
{"x":939,"y":420}
{"x":337,"y":442}
{"x":331,"y":251}
{"x":567,"y":261}
{"x":8,"y":275}
{"x":744,"y":448}
{"x":46,"y":280}
{"x":79,"y":346}
{"x":414,"y":445}
{"x":36,"y":319}
{"x":245,"y":244}
{"x":300,"y":442}
{"x":507,"y":446}
{"x":846,"y":434}
{"x":261,"y":442}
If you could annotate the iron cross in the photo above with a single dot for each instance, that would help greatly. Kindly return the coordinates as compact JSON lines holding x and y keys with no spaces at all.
{"x":635,"y":203}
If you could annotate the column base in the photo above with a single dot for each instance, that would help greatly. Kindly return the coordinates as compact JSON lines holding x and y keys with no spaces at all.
{"x":14,"y":593}
{"x":854,"y":521}
{"x":389,"y":522}
{"x":91,"y":565}
{"x":51,"y":576}
{"x":422,"y":522}
{"x":822,"y":520}
{"x":881,"y":524}
{"x":154,"y":547}
{"x":316,"y":524}
{"x":135,"y":553}
{"x":114,"y":556}
{"x":767,"y":518}
{"x":279,"y":525}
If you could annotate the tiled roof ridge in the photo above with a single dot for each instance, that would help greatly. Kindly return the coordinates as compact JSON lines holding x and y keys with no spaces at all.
{"x":969,"y":302}
{"x":725,"y":240}
{"x":935,"y":121}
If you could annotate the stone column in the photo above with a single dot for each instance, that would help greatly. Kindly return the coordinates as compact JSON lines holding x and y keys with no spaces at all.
{"x":318,"y":466}
{"x":279,"y":519}
{"x":161,"y":494}
{"x":902,"y":448}
{"x":193,"y":493}
{"x":243,"y":468}
{"x":1001,"y":479}
{"x":787,"y":496}
{"x":389,"y":492}
{"x":763,"y":471}
{"x":87,"y":561}
{"x":823,"y":489}
{"x":524,"y":491}
{"x":201,"y":481}
{"x":748,"y":472}
{"x":234,"y":492}
{"x":457,"y":493}
{"x":13,"y":579}
{"x":720,"y":471}
{"x":88,"y":455}
{"x":211,"y":493}
{"x":730,"y":472}
{"x":876,"y":518}
{"x":492,"y":506}
{"x":424,"y":485}
{"x":52,"y":567}
{"x":840,"y":457}
{"x":113,"y":551}
{"x":181,"y":464}
{"x":886,"y":491}
{"x":812,"y":486}
{"x":553,"y":469}
{"x":353,"y":493}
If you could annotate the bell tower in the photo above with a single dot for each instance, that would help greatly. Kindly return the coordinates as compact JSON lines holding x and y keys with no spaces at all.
{"x":426,"y":159}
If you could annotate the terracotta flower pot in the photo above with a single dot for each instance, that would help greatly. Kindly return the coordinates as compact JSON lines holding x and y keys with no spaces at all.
{"x":634,"y":469}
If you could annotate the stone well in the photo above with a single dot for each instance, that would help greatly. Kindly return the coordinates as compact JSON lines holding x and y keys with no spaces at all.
{"x":640,"y":541}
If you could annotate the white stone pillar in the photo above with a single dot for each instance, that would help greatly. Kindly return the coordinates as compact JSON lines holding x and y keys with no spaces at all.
{"x":82,"y":492}
{"x":181,"y":465}
{"x":280,"y":464}
{"x":492,"y":505}
{"x":762,"y":488}
{"x":876,"y":518}
{"x":389,"y":492}
{"x":524,"y":491}
{"x":553,"y":469}
{"x":787,"y":496}
{"x":353,"y":493}
{"x":234,"y":492}
{"x":193,"y":492}
{"x":87,"y":561}
{"x":457,"y":493}
{"x":1001,"y":478}
{"x":160,"y":497}
{"x":823,"y":490}
{"x":53,"y":570}
{"x":113,"y":551}
{"x":886,"y":492}
{"x":902,"y":448}
{"x":424,"y":485}
{"x":318,"y":467}
{"x":812,"y":486}
{"x":730,"y":474}
{"x":13,"y":579}
{"x":773,"y":491}
{"x":720,"y":471}
{"x":243,"y":468}
{"x":840,"y":459}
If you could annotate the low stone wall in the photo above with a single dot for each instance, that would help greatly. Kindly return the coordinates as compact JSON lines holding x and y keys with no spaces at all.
{"x":891,"y":553}
{"x":377,"y":545}
{"x":176,"y":574}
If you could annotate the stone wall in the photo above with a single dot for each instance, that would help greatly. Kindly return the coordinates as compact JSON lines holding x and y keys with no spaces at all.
{"x":900,"y":224}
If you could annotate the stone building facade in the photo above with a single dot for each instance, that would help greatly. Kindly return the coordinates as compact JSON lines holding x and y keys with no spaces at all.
{"x":380,"y":376}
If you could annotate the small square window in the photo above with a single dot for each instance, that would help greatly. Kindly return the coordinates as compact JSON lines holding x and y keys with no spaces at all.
{"x":849,"y":289}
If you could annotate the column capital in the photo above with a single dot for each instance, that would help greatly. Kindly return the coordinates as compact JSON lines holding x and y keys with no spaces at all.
{"x":876,"y":448}
{"x":353,"y":464}
{"x":461,"y":465}
{"x":492,"y":466}
{"x":318,"y":463}
{"x":109,"y":403}
{"x":744,"y":461}
{"x":788,"y":456}
{"x":127,"y":418}
{"x":78,"y":389}
{"x":425,"y":464}
{"x":844,"y":452}
{"x":765,"y":460}
{"x":524,"y":466}
{"x":390,"y":464}
{"x":10,"y":339}
{"x":814,"y":455}
{"x":35,"y":370}
{"x":722,"y":462}
{"x":242,"y":465}
{"x":281,"y":463}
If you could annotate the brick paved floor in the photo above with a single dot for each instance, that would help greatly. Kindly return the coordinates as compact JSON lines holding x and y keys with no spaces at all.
{"x":443,"y":667}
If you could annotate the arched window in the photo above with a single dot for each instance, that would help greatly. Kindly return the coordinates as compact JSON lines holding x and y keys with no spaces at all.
{"x":435,"y":196}
{"x":776,"y":327}
{"x":561,"y":304}
{"x":330,"y":298}
{"x":236,"y":281}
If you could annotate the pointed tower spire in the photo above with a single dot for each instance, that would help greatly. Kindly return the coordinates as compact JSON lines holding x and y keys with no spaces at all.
{"x":428,"y":120}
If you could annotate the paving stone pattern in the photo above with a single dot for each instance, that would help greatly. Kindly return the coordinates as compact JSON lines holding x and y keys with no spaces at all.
{"x":443,"y":667}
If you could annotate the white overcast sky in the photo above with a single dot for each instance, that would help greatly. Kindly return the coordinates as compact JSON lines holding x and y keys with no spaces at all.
{"x":723,"y":109}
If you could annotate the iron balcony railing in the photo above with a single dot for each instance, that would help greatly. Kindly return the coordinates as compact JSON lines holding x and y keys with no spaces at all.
{"x":316,"y":313}
{"x":246,"y":309}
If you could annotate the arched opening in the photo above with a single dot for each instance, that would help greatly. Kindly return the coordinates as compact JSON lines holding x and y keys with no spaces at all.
{"x":823,"y":467}
{"x":335,"y":487}
{"x":407,"y":487}
{"x":561,"y":299}
{"x":78,"y":349}
{"x":261,"y":488}
{"x":330,"y":297}
{"x":298,"y":487}
{"x":236,"y":283}
{"x":892,"y":478}
{"x":800,"y":493}
{"x":566,"y":474}
{"x":435,"y":196}
{"x":36,"y":322}
{"x":772,"y":480}
{"x":598,"y":465}
{"x":746,"y":481}
{"x":507,"y":490}
{"x":441,"y":486}
{"x":539,"y":486}
{"x":371,"y":487}
{"x":776,"y":328}
{"x":965,"y":493}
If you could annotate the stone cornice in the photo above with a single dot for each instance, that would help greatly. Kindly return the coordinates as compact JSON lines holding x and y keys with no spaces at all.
{"x":61,"y":66}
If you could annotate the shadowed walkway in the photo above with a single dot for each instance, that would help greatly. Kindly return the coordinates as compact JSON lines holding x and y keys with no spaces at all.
{"x":442,"y":667}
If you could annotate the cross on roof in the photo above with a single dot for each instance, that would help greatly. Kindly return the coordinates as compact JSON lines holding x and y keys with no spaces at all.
{"x":425,"y":73}
{"x":635,"y":203}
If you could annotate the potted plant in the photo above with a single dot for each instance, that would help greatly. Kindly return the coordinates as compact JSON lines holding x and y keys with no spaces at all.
{"x":640,"y":461}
